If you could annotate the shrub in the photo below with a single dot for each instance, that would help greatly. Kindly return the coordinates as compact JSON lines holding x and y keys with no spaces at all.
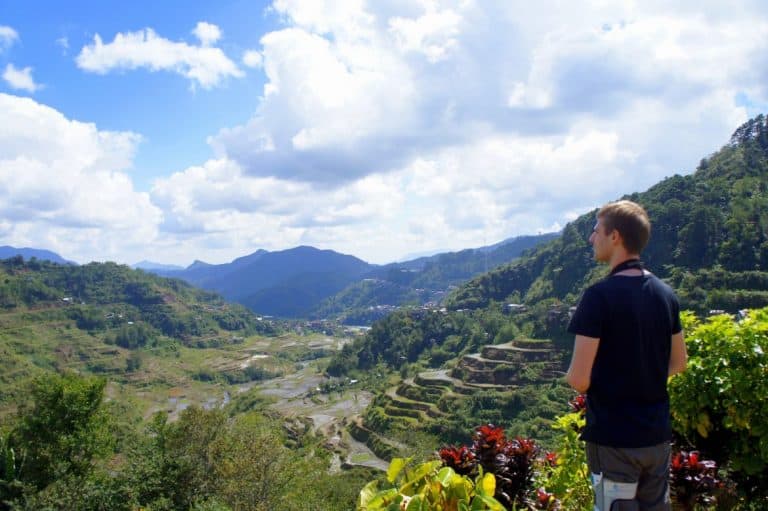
{"x":428,"y":487}
{"x":720,"y":403}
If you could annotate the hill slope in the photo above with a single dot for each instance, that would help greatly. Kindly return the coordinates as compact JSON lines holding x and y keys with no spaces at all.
{"x":422,"y":280}
{"x":28,"y":253}
{"x":108,"y":319}
{"x":709,"y":238}
{"x":285,"y":283}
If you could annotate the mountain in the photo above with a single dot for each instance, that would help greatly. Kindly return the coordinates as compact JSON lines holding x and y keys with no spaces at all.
{"x":287,"y":283}
{"x":28,"y":253}
{"x":421,"y":280}
{"x":149,"y":265}
{"x":108,"y":319}
{"x":709,"y":238}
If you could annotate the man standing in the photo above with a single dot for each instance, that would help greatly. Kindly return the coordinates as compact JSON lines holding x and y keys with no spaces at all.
{"x":628,"y":342}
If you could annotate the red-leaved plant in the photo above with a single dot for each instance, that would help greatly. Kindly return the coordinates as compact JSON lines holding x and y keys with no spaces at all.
{"x":693,"y":480}
{"x":510,"y":461}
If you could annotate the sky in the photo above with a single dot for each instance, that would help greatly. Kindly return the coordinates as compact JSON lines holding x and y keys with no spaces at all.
{"x":178,"y":131}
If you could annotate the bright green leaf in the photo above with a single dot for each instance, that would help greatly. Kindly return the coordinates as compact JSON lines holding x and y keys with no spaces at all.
{"x":395,"y":467}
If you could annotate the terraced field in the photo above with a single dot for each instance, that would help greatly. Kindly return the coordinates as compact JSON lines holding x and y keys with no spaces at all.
{"x":434,"y":394}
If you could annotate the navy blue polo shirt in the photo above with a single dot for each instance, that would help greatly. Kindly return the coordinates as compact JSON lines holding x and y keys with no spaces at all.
{"x":634,"y":317}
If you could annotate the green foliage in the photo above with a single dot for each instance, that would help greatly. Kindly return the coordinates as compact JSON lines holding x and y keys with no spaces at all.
{"x":566,"y":474}
{"x":413,"y":335}
{"x":62,"y":430}
{"x":428,"y":487}
{"x":419,"y":281}
{"x":100,"y":296}
{"x":206,"y":458}
{"x":721,"y":402}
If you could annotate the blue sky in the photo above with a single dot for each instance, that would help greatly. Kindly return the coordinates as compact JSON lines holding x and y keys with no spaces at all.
{"x":173,"y":131}
{"x":174,"y":121}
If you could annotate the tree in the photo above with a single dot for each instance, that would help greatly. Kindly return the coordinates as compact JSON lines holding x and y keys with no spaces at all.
{"x":62,"y":430}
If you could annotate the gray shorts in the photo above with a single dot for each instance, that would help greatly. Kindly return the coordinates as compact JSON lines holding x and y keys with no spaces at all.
{"x":646,"y":469}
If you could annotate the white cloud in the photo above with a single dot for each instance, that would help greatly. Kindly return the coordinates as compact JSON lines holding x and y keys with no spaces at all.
{"x":63,"y":185}
{"x":395,"y":127}
{"x":482,"y":120}
{"x":252,"y":58}
{"x":204,"y":65}
{"x":432,"y":34}
{"x":20,"y":79}
{"x":208,"y":33}
{"x":8,"y":36}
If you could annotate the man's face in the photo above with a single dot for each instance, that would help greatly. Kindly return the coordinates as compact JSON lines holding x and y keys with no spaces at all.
{"x":601,"y":242}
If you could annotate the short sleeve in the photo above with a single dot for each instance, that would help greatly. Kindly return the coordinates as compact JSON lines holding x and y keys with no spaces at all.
{"x":588,"y":318}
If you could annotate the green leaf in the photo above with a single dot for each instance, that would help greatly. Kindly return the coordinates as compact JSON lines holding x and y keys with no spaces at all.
{"x":367,"y":493}
{"x":445,"y":476}
{"x":382,"y":499}
{"x":487,"y":485}
{"x":417,"y":503}
{"x":488,"y":502}
{"x":395,"y":467}
{"x":416,"y":478}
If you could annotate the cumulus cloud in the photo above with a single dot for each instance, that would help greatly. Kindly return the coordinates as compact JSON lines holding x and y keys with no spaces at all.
{"x":432,"y":34}
{"x":20,"y":79}
{"x":63,"y":184}
{"x":208,"y":33}
{"x":252,"y":58}
{"x":204,"y":65}
{"x":458,"y":197}
{"x":356,"y":88}
{"x":387,"y":128}
{"x":8,"y":36}
{"x":477,"y":121}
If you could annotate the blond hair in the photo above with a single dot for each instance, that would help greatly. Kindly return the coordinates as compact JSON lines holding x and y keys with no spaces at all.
{"x":631,"y":220}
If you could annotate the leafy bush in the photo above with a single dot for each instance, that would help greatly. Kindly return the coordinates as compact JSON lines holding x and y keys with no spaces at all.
{"x":429,"y":487}
{"x":565,"y":473}
{"x":721,"y":402}
{"x":511,"y":461}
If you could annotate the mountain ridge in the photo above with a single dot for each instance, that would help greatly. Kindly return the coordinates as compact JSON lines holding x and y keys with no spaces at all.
{"x":27,"y":253}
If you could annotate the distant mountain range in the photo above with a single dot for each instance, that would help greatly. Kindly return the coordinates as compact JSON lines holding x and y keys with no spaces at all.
{"x":28,"y":253}
{"x":287,"y":283}
{"x":308,"y":282}
{"x":150,"y":266}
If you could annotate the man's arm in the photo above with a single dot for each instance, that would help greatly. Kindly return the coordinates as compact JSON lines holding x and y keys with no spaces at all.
{"x":678,"y":356}
{"x":580,"y":372}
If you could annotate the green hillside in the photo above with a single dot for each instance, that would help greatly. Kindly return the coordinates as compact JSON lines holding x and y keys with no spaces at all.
{"x":420,"y":281}
{"x":709,"y":239}
{"x":150,"y":333}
